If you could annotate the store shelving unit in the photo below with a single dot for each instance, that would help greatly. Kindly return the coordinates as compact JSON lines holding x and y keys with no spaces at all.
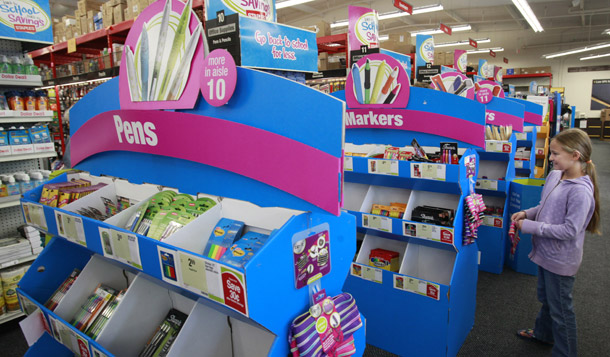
{"x":496,"y":171}
{"x":219,"y":321}
{"x":427,"y":306}
{"x":522,"y":81}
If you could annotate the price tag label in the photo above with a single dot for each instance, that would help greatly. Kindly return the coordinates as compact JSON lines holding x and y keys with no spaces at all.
{"x":348,"y":163}
{"x":383,"y":167}
{"x":70,"y":227}
{"x":493,"y":221}
{"x":72,"y":45}
{"x":428,"y":231}
{"x":121,"y":246}
{"x":377,"y":222}
{"x":428,"y":171}
{"x":218,"y":77}
{"x":487,"y":184}
{"x":417,"y":286}
{"x":518,"y":164}
{"x":367,"y":273}
{"x":34,"y":215}
{"x":192,"y":271}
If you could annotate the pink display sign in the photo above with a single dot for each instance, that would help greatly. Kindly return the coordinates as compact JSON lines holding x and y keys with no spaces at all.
{"x":494,"y":87}
{"x":363,"y":28}
{"x":484,"y":95}
{"x":493,"y":117}
{"x":377,"y":81}
{"x":218,"y":77}
{"x":454,"y":83}
{"x":460,"y":60}
{"x":248,"y":151}
{"x":532,"y":118}
{"x":413,"y":120}
{"x":162,"y":58}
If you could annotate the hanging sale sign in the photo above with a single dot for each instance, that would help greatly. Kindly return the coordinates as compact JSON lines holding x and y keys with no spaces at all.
{"x":402,"y":5}
{"x":498,"y":74}
{"x":424,"y":51}
{"x":446,"y":29}
{"x":505,"y":60}
{"x":492,"y":53}
{"x":460,"y":60}
{"x":473,"y":43}
{"x":363,"y":28}
{"x":26,"y":20}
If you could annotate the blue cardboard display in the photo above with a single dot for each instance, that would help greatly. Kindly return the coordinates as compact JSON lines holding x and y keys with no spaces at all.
{"x":268,"y":278}
{"x":524,"y":194}
{"x":436,"y":320}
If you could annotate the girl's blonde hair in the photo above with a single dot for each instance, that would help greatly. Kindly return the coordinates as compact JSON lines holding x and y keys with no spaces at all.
{"x":576,"y":140}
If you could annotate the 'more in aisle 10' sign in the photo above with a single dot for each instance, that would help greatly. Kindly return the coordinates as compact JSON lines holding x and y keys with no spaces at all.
{"x":27,"y":20}
{"x":258,"y":9}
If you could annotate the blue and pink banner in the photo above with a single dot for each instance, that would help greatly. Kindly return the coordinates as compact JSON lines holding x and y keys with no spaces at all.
{"x":253,"y":152}
{"x":363,"y":28}
{"x":26,"y":20}
{"x":460,"y":60}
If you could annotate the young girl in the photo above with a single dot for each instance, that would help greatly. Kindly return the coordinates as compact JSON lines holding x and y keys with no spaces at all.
{"x":569,"y":206}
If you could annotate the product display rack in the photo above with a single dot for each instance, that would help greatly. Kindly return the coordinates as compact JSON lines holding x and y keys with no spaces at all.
{"x":532,"y":119}
{"x":261,"y":319}
{"x":426,"y":307}
{"x":496,"y":171}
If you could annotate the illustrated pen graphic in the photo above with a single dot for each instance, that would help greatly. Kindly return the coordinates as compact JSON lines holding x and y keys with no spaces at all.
{"x":367,"y":82}
{"x":379,"y":77}
{"x":392,"y":95}
{"x":438,"y":82}
{"x":467,"y":84}
{"x":357,"y":83}
{"x":387,"y":87}
{"x":456,"y":84}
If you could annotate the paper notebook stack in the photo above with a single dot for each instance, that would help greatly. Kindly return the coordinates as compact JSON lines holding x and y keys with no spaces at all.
{"x":13,"y":249}
{"x":35,"y":238}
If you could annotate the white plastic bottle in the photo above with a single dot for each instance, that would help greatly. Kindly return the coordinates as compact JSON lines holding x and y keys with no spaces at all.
{"x":12,"y":187}
{"x":37,"y":178}
{"x":25,"y":184}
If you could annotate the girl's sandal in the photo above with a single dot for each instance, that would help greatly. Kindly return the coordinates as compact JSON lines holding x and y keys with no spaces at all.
{"x":528,"y":334}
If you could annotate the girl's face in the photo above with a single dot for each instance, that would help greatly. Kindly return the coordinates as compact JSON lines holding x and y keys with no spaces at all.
{"x":562,"y":160}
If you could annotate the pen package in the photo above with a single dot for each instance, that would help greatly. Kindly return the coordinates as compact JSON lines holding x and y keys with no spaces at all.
{"x":244,"y":249}
{"x":226,"y":232}
{"x":165,"y":335}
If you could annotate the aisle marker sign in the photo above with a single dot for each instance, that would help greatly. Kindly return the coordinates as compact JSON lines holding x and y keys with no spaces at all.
{"x":404,"y":6}
{"x":218,"y":77}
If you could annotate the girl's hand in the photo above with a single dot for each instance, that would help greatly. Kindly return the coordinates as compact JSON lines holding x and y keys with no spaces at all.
{"x":518,"y":216}
{"x":518,"y":224}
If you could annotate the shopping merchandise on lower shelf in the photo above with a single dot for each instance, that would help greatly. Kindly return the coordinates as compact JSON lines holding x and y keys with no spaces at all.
{"x":14,"y":248}
{"x":394,"y":210}
{"x":474,"y":210}
{"x":10,"y":278}
{"x":2,"y":302}
{"x":384,"y":259}
{"x":100,"y":321}
{"x":93,"y":307}
{"x":165,"y":335}
{"x":59,"y":294}
{"x":434,"y":215}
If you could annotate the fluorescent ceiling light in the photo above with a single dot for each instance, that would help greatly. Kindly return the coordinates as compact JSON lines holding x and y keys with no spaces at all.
{"x":332,"y":44}
{"x":577,"y":50}
{"x":457,"y":28}
{"x":528,"y":14}
{"x":485,"y":50}
{"x":460,"y":43}
{"x":287,"y":3}
{"x":606,"y":32}
{"x":594,"y":56}
{"x":388,"y":15}
{"x":384,"y":37}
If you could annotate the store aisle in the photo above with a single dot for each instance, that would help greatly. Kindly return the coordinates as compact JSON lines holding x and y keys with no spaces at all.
{"x":506,"y":302}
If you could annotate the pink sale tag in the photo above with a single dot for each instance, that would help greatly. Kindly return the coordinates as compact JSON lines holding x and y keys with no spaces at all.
{"x":218,"y":77}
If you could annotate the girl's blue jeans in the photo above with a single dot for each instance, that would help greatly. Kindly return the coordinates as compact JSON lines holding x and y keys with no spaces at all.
{"x":556,"y":321}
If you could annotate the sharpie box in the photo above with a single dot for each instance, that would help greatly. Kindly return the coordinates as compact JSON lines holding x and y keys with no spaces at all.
{"x":384,"y":259}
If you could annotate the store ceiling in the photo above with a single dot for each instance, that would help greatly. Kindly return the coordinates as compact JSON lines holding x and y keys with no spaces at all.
{"x":566,"y":23}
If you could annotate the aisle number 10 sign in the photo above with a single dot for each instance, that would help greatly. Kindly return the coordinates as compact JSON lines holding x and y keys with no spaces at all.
{"x":218,"y":77}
